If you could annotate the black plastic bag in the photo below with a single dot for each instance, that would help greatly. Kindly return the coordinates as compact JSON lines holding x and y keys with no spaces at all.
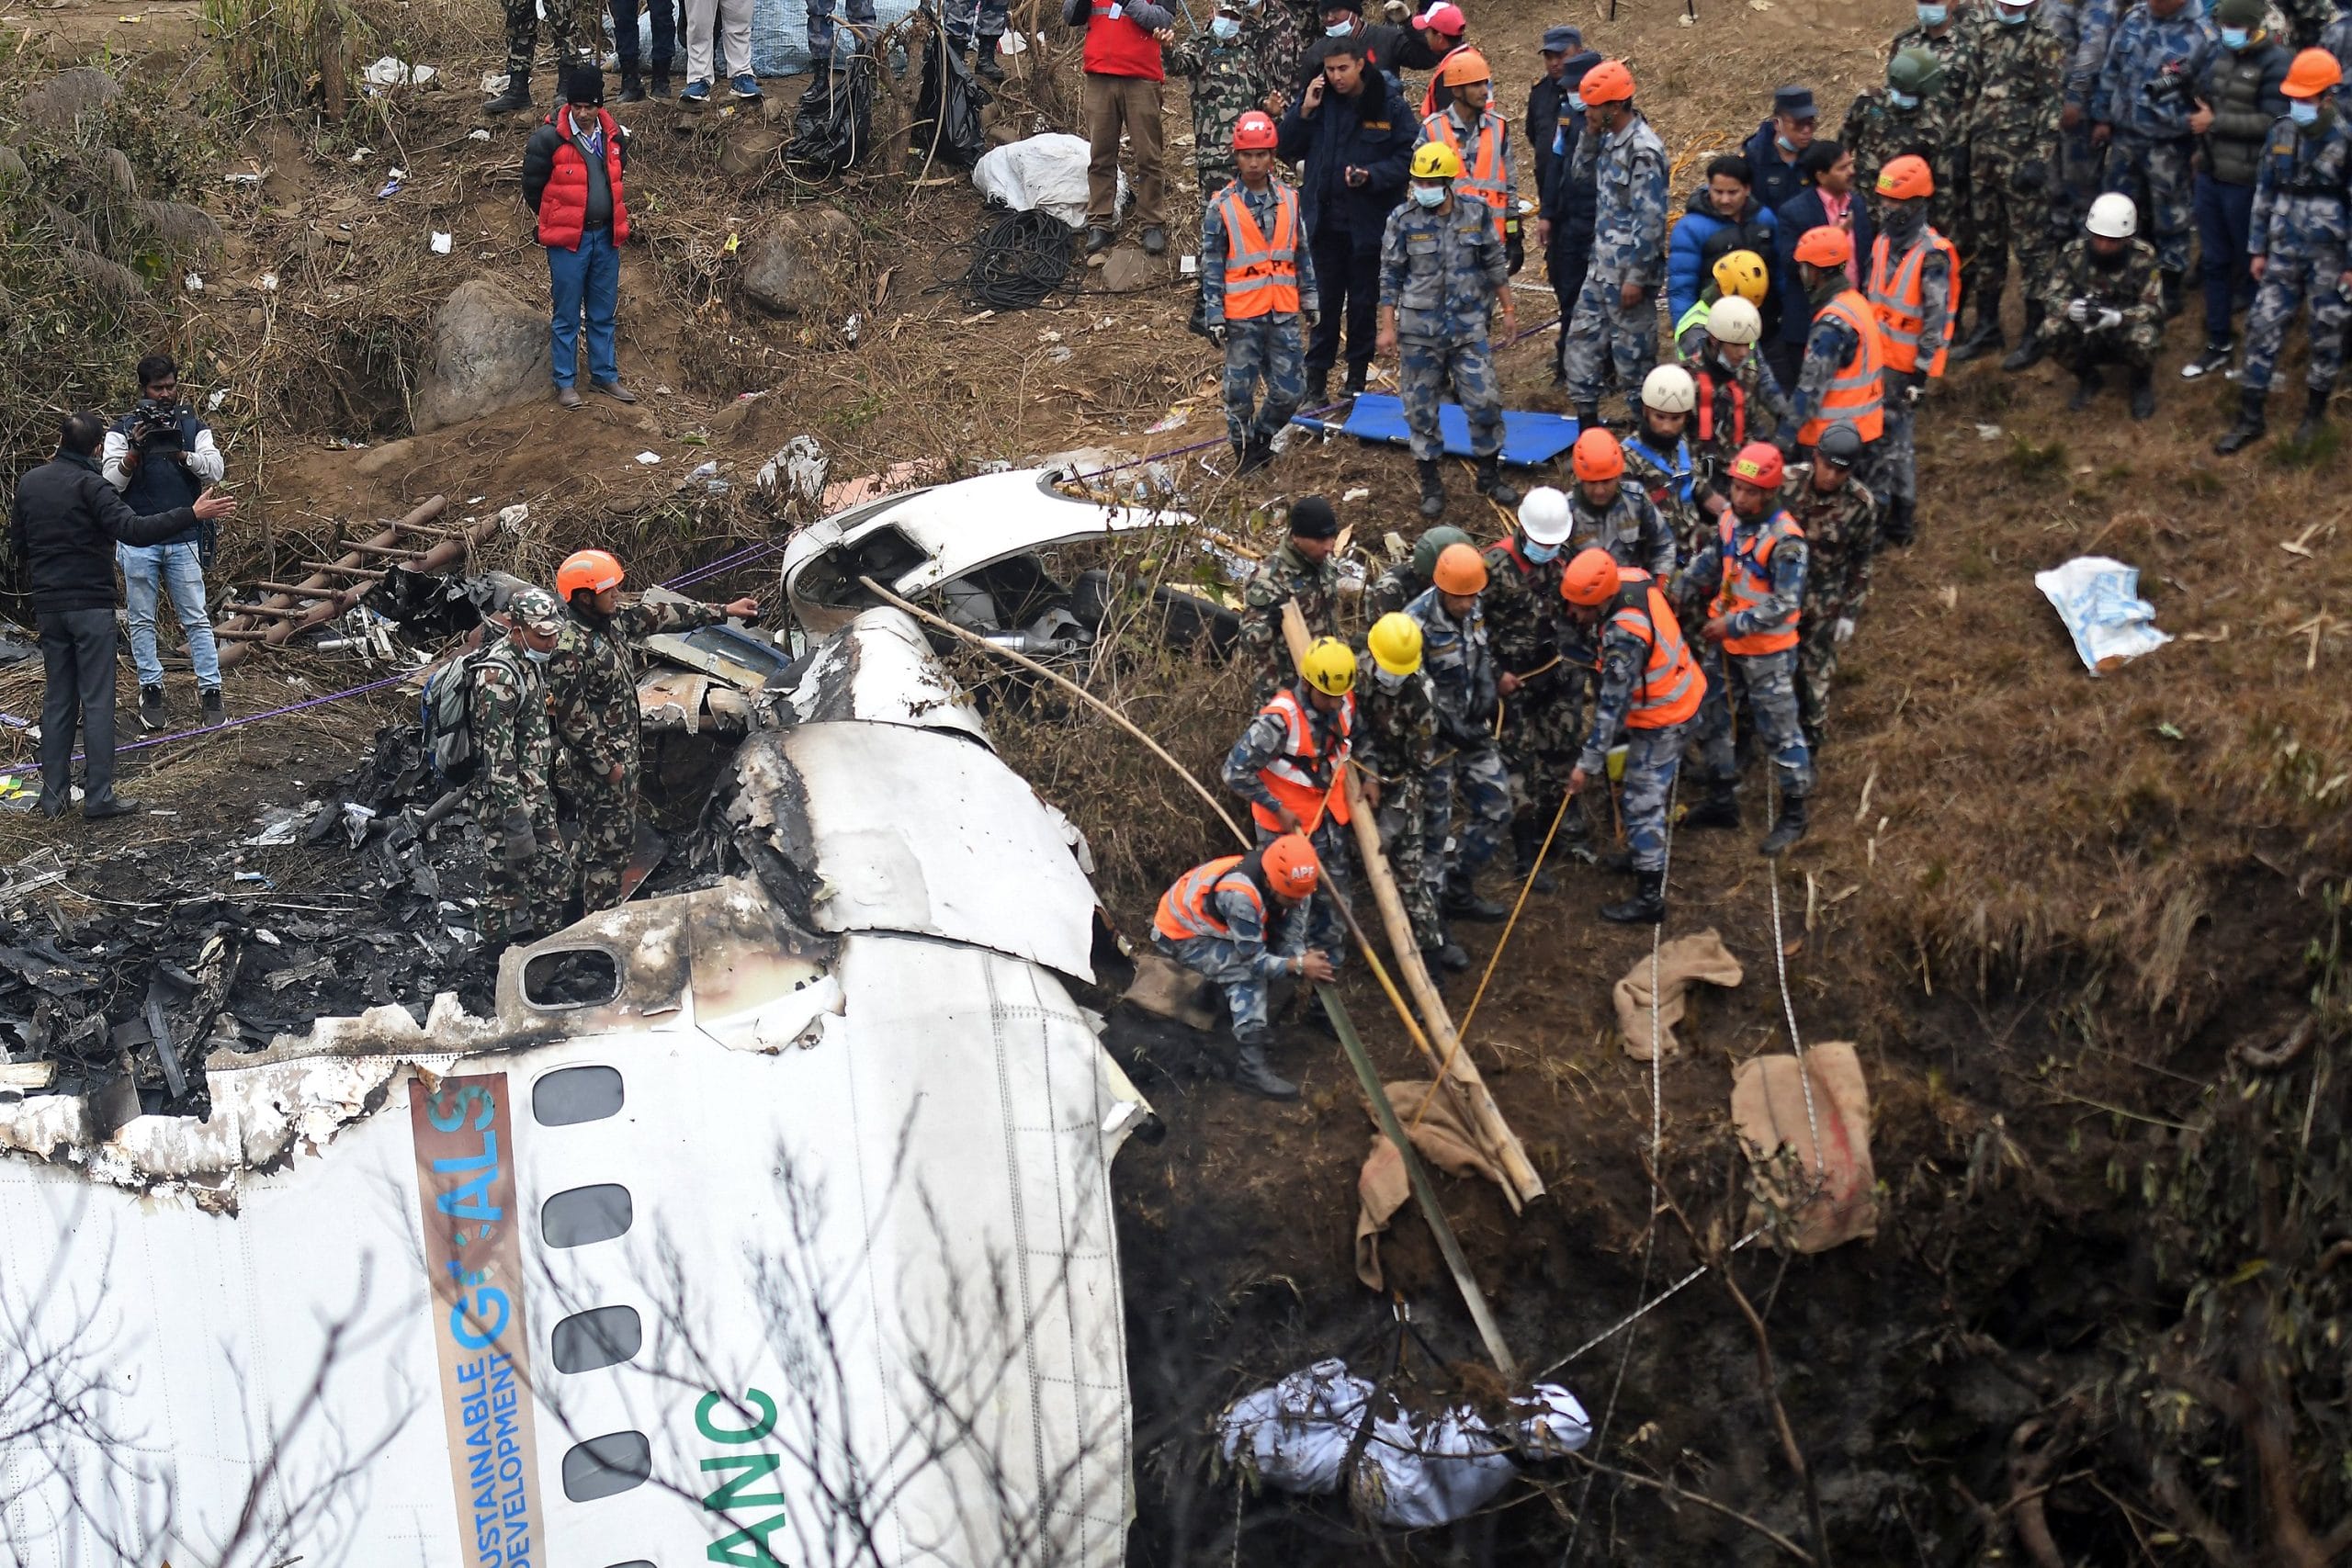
{"x":833,"y":128}
{"x":954,"y":137}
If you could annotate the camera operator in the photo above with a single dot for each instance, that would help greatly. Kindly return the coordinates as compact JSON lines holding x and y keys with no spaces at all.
{"x":65,"y":517}
{"x":161,"y":456}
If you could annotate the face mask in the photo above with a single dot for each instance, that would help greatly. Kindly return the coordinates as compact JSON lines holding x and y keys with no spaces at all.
{"x":2303,"y":111}
{"x":1576,"y":103}
{"x":1932,"y":16}
{"x":1901,"y":219}
{"x":1429,"y":196}
{"x":1339,"y":29}
{"x":2013,"y":16}
{"x":1902,"y":100}
{"x":539,"y":655}
{"x":1386,"y":682}
{"x":1784,"y":144}
{"x":1227,"y":27}
{"x":1538,"y":553}
{"x":2107,"y":261}
{"x":2234,"y":39}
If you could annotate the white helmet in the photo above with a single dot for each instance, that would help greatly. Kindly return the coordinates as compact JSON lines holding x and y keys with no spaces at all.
{"x":1544,"y":515}
{"x":2113,"y":217}
{"x":1732,"y":320}
{"x":1670,"y":389}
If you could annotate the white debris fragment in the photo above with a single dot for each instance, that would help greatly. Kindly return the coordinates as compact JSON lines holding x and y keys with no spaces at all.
{"x":391,"y":71}
{"x":512,"y":518}
{"x":195,"y":282}
{"x":648,"y":459}
{"x":440,"y":244}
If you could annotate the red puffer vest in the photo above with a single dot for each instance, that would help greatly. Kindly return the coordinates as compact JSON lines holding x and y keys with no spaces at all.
{"x":564,"y":206}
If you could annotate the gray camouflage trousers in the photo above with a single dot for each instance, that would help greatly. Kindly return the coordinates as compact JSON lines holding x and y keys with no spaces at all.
{"x":1898,"y":452}
{"x":961,"y":14}
{"x":821,"y":24}
{"x":2287,"y":283}
{"x":1404,"y":821}
{"x":1272,"y":348}
{"x":1768,"y":683}
{"x":1220,"y":961}
{"x":1424,"y":371}
{"x":1603,"y":330}
{"x":2156,"y":176}
{"x":1653,"y":757}
{"x":1486,"y":800}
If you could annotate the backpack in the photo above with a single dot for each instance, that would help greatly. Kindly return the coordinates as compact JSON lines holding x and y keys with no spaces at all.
{"x":447,"y":715}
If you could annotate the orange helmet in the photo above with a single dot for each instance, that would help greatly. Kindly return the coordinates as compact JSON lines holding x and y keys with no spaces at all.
{"x":2314,"y":71}
{"x":1464,"y":65}
{"x":1590,"y":578}
{"x":1597,"y":456}
{"x":1908,"y":177}
{"x":593,"y":569}
{"x":1291,"y":867}
{"x":1607,"y":82}
{"x":1253,"y":132}
{"x":1758,"y":464}
{"x":1825,"y":247}
{"x":1460,"y":569}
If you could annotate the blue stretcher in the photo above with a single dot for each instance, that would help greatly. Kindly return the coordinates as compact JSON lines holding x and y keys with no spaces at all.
{"x":1530,"y":439}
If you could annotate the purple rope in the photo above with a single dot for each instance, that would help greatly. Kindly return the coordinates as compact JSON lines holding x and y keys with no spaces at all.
{"x":225,"y":724}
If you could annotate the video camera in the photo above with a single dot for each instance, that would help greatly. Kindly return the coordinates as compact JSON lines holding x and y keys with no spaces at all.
{"x":2170,"y":89}
{"x":155,"y":426}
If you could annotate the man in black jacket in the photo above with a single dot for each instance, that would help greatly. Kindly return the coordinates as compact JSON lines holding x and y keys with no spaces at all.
{"x":1393,"y":48}
{"x":1565,"y":206}
{"x":1550,"y":91}
{"x":1350,"y":136}
{"x":2237,"y":102}
{"x":64,"y":525}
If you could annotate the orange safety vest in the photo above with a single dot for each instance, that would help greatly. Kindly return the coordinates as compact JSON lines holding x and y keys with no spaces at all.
{"x":1900,"y":307}
{"x":1748,"y":581}
{"x":1671,"y":685}
{"x":1185,"y":909}
{"x":1300,"y":777}
{"x":1706,"y":381}
{"x":1854,"y":396}
{"x":1486,"y":176}
{"x":1260,"y":273}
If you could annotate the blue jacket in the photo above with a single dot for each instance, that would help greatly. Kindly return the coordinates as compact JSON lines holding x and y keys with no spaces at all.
{"x":1700,"y":238}
{"x":1567,"y":203}
{"x":1339,"y":136}
{"x":1776,"y":182}
{"x":1799,"y":213}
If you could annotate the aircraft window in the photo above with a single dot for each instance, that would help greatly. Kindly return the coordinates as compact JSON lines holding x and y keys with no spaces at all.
{"x":573,"y":1095}
{"x":607,"y":1466}
{"x":586,"y":1214}
{"x":572,"y":977}
{"x":602,"y":1337}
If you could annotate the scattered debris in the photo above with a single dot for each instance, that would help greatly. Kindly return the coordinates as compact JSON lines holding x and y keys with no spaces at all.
{"x":1680,"y":963}
{"x":2099,"y":600}
{"x":391,"y":71}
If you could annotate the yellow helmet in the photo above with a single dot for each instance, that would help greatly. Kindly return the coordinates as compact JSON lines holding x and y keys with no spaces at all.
{"x":1742,"y":273}
{"x":1396,"y":643}
{"x":1330,"y":668}
{"x":1436,"y":160}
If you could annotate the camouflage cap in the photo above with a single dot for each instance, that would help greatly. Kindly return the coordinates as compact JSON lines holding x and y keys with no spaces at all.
{"x":535,"y":609}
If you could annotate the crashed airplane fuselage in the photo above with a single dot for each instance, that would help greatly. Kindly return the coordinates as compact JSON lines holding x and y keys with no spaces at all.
{"x":768,"y":1223}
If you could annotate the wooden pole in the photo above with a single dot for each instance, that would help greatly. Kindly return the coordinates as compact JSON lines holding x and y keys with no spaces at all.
{"x":322,"y":599}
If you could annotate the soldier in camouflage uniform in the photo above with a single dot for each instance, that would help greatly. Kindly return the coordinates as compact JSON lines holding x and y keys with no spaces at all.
{"x":1603,"y":510}
{"x":1409,"y":577}
{"x":2298,"y":244}
{"x":1303,"y":569}
{"x":1616,"y":314}
{"x":2086,"y":27}
{"x":1838,"y":516}
{"x":1258,"y":294}
{"x":1739,"y":401}
{"x":1241,"y":922}
{"x":1913,"y":116}
{"x":2147,"y":90}
{"x":1396,"y":745}
{"x":523,"y":42}
{"x":1462,"y":671}
{"x":2104,"y":304}
{"x":1539,"y":685}
{"x":1228,"y":68}
{"x":1287,"y":764}
{"x":1659,"y":461}
{"x":1444,"y":270}
{"x":528,"y":875}
{"x":978,"y":26}
{"x":2336,"y":38}
{"x":591,"y":694}
{"x":2009,"y":136}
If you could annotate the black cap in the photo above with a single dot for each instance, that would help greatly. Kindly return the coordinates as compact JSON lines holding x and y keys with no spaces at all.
{"x":1840,"y":445}
{"x":1562,"y":40}
{"x":1795,"y":102}
{"x":1312,"y":518}
{"x":1355,"y":6}
{"x":582,"y":82}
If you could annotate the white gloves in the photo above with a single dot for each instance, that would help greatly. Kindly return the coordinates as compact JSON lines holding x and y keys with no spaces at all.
{"x":1843,"y":632}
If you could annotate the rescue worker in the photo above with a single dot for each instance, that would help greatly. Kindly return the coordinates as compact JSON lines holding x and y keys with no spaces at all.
{"x":1540,"y":693}
{"x":1842,"y":377}
{"x":2147,"y":92}
{"x":1658,"y":460}
{"x":2086,"y":28}
{"x":1737,"y":394}
{"x":1461,"y":672}
{"x":1441,"y":29}
{"x":1442,"y":273}
{"x":1257,"y":294}
{"x":1603,"y":510}
{"x":1288,"y":762}
{"x":1651,"y":690}
{"x":2297,"y":240}
{"x":1240,"y":922}
{"x":1758,"y":578}
{"x":1914,"y":289}
{"x":1477,"y":135}
{"x":528,"y":874}
{"x":1230,"y":78}
{"x":1396,"y":743}
{"x":1736,"y":275}
{"x":2104,"y":304}
{"x":1409,"y":577}
{"x":1616,"y":314}
{"x":2238,"y":102}
{"x":1912,"y":118}
{"x":1838,"y":516}
{"x":591,"y":682}
{"x":2008,"y":134}
{"x":1303,"y":569}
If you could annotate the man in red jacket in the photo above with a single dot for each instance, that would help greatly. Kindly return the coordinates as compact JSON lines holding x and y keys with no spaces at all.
{"x":1123,"y":77}
{"x":571,"y":178}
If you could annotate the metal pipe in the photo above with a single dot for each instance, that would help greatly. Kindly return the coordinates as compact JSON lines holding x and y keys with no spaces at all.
{"x":342,"y":599}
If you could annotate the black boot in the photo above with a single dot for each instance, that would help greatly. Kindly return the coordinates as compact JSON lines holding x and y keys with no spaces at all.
{"x":1252,"y":1072}
{"x":2249,"y":428}
{"x":1463,"y":902}
{"x":2216,"y":358}
{"x":1256,"y":451}
{"x":1198,"y":323}
{"x":1447,"y":955}
{"x":518,"y":94}
{"x":1433,"y":487}
{"x":984,"y":59}
{"x":1319,"y":390}
{"x":1588,"y":416}
{"x":632,"y":87}
{"x":1527,"y":843}
{"x":2144,"y":394}
{"x":1902,"y":521}
{"x":1787,"y":829}
{"x":1490,"y":482}
{"x":2088,"y":383}
{"x":2173,"y":291}
{"x":1720,"y":809}
{"x":659,"y":87}
{"x":1648,"y":905}
{"x":1356,"y":374}
{"x":2314,"y":415}
{"x":1987,"y":338}
{"x":2030,"y":347}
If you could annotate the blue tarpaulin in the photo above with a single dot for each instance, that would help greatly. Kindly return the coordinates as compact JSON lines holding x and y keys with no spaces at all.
{"x":1530,"y":439}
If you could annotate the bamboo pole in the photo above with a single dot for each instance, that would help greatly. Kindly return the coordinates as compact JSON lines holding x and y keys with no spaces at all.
{"x":327,"y":599}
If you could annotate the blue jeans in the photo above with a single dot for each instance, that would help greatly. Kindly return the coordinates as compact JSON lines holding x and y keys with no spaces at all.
{"x":586,"y":279}
{"x":147,"y":570}
{"x":2224,"y":222}
{"x":663,"y":16}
